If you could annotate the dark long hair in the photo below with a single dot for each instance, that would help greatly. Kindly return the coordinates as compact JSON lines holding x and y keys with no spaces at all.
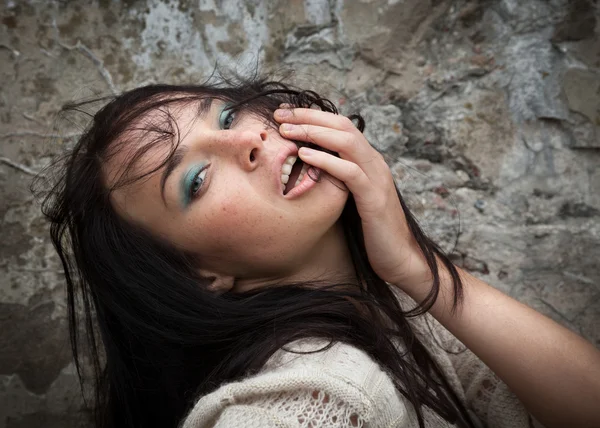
{"x":155,"y":337}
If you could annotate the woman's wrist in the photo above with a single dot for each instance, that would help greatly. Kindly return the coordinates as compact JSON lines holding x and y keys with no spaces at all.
{"x":415,"y":273}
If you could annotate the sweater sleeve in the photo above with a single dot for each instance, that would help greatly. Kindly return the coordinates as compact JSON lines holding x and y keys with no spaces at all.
{"x":246,"y":416}
{"x":299,"y":408}
{"x":339,"y":387}
{"x":485,"y":393}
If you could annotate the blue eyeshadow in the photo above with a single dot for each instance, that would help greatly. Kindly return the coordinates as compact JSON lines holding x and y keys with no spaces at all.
{"x":186,"y":183}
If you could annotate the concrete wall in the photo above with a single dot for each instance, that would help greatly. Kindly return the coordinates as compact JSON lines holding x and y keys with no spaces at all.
{"x":489,"y":112}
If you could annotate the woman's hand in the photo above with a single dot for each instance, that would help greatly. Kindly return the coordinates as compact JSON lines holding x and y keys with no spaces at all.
{"x":390,"y":245}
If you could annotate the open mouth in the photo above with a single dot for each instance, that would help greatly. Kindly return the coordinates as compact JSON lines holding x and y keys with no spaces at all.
{"x":295,"y":176}
{"x":294,"y":170}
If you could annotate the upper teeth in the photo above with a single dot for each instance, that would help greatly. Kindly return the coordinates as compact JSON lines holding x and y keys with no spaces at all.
{"x":286,"y":169}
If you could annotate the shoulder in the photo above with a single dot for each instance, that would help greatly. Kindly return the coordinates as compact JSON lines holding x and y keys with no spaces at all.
{"x":299,"y":387}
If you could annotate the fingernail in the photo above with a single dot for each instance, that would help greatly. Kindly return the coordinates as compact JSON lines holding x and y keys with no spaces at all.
{"x":305,"y":151}
{"x":283,"y":112}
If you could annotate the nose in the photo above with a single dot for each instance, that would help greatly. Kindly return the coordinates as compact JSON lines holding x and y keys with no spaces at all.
{"x":243,"y":147}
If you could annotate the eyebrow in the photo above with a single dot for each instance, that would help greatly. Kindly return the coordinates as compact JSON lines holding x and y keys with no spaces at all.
{"x":176,"y":158}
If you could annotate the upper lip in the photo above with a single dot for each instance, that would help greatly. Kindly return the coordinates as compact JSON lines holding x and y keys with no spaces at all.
{"x":280,"y":159}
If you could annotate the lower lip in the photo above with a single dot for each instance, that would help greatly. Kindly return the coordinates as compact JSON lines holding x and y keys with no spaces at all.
{"x":305,"y":185}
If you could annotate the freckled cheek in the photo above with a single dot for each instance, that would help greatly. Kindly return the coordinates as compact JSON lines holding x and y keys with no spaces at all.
{"x":241,"y":224}
{"x":228,"y":223}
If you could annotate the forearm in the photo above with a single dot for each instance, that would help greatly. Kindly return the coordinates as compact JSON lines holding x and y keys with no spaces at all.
{"x":553,"y":371}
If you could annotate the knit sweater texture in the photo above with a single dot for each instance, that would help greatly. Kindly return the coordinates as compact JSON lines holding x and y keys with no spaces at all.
{"x":344,"y":387}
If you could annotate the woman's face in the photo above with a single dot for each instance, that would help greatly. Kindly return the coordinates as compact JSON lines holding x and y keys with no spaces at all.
{"x":223,"y":200}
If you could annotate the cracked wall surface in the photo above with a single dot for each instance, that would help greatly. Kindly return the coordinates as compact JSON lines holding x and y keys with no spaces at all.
{"x":489,"y":112}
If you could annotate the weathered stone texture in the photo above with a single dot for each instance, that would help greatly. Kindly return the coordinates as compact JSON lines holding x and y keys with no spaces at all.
{"x":488,"y":111}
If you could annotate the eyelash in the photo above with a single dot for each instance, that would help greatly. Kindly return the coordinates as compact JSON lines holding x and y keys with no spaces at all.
{"x":229,"y":113}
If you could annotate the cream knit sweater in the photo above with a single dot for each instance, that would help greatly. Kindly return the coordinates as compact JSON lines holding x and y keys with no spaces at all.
{"x":345,"y":387}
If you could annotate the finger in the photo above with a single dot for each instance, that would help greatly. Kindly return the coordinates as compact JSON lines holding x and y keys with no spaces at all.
{"x":327,"y":138}
{"x":346,"y":144}
{"x":290,"y":106}
{"x":350,"y":173}
{"x":315,"y":117}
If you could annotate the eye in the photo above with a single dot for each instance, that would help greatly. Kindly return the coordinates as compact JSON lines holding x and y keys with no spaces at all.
{"x":197,"y":182}
{"x":226,"y":117}
{"x":193,"y":183}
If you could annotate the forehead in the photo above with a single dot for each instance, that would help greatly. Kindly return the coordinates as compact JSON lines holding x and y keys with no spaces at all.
{"x":148,"y":142}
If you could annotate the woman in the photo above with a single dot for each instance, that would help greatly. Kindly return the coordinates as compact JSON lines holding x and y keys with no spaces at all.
{"x":236,"y":281}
